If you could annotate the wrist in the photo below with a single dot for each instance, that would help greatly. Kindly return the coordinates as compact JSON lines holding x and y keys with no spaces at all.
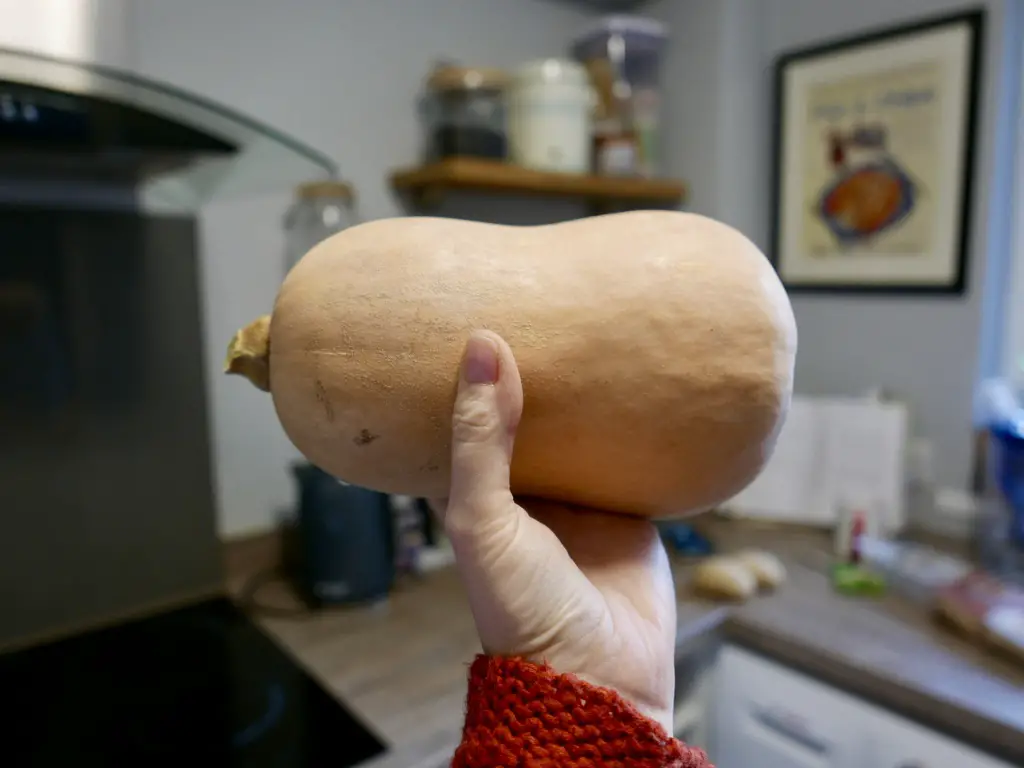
{"x":662,"y":714}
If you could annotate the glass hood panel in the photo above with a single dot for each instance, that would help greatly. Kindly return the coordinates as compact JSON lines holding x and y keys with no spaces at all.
{"x":71,"y":121}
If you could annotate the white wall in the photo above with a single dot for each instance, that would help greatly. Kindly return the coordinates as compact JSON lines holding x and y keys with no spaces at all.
{"x":693,"y":85}
{"x":343,"y":76}
{"x":85,"y":30}
{"x":927,"y":350}
{"x":717,"y":106}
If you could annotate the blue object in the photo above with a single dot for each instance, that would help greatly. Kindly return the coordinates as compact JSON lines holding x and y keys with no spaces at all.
{"x":1008,"y":469}
{"x":685,"y":540}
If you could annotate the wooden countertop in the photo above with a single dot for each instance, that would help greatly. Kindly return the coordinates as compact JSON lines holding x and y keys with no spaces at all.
{"x":402,"y":666}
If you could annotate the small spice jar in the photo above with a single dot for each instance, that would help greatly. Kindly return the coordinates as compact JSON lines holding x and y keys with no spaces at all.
{"x":464,"y":113}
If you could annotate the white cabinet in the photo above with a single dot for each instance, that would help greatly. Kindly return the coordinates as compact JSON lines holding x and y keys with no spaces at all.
{"x":899,"y":743}
{"x":768,"y":716}
{"x":690,"y":723}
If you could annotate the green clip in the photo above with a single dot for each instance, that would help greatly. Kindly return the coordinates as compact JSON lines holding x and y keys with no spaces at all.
{"x":851,"y":579}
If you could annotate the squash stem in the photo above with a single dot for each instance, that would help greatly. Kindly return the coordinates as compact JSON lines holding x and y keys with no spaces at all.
{"x":249,"y":353}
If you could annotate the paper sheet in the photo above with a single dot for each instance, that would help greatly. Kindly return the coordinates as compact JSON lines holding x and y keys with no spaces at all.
{"x":785,"y":490}
{"x":832,"y":451}
{"x":863,"y":451}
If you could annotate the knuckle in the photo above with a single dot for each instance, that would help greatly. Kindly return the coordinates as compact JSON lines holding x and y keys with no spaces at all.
{"x":481,"y":520}
{"x":474,"y":421}
{"x":460,"y":528}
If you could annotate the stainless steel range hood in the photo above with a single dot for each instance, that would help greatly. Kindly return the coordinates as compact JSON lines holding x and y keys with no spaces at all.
{"x":68,"y":117}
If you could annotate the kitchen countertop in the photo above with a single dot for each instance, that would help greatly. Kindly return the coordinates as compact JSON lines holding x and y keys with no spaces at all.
{"x":888,"y":651}
{"x":402,"y":665}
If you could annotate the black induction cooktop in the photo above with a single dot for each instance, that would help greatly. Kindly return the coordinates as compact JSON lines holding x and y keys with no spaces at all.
{"x":199,"y":684}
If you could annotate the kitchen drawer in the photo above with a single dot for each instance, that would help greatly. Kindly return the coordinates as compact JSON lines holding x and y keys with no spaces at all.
{"x":899,"y":743}
{"x":767,"y":716}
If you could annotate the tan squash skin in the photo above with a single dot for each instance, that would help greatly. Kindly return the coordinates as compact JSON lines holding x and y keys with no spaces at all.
{"x":656,"y":351}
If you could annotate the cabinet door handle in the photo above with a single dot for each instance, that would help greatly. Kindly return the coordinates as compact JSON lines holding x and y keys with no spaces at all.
{"x":788,"y":727}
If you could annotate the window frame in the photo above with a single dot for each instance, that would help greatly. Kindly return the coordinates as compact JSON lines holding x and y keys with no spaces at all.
{"x":1013,"y":331}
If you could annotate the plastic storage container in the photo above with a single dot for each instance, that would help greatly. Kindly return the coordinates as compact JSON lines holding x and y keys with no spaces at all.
{"x":629,"y":49}
{"x":1000,"y":527}
{"x":1003,"y":408}
{"x":1008,"y":473}
{"x":320,"y":209}
{"x":916,"y":572}
{"x":463,"y":113}
{"x":550,"y":103}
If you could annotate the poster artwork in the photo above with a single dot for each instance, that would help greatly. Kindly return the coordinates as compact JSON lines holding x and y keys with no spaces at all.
{"x":871,"y":163}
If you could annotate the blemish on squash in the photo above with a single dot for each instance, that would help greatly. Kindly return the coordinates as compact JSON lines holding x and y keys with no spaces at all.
{"x":321,"y":397}
{"x":365,"y":437}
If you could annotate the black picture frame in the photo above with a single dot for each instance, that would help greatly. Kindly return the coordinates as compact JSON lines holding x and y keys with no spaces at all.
{"x":974,"y":20}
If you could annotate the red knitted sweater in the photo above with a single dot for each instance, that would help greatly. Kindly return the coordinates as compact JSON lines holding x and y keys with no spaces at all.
{"x":524,"y":715}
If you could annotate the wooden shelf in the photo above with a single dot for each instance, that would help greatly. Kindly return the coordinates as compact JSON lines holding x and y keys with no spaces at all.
{"x":429,"y":183}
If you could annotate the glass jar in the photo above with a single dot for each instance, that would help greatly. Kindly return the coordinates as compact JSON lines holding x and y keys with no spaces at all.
{"x":463,"y":113}
{"x":320,"y":209}
{"x":629,"y":51}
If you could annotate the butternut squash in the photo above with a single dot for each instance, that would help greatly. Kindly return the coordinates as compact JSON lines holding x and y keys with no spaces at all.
{"x":656,"y":351}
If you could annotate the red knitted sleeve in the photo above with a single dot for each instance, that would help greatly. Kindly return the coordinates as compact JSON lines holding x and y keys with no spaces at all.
{"x":524,"y":715}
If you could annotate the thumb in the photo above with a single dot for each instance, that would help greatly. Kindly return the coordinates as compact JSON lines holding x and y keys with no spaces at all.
{"x":488,"y":406}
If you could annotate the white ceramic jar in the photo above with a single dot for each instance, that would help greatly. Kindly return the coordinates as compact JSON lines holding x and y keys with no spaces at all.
{"x":550,"y":103}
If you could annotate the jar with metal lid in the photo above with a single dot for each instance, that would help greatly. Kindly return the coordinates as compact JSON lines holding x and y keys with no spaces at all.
{"x":320,"y":209}
{"x":463,"y":113}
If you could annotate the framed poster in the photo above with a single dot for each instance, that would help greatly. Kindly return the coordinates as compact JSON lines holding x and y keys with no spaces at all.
{"x":873,"y":152}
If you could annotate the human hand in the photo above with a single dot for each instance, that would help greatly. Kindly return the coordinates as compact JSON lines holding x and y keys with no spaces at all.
{"x":587,"y":592}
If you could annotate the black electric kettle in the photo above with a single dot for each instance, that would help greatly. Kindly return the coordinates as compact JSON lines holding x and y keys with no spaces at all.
{"x":345,"y":539}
